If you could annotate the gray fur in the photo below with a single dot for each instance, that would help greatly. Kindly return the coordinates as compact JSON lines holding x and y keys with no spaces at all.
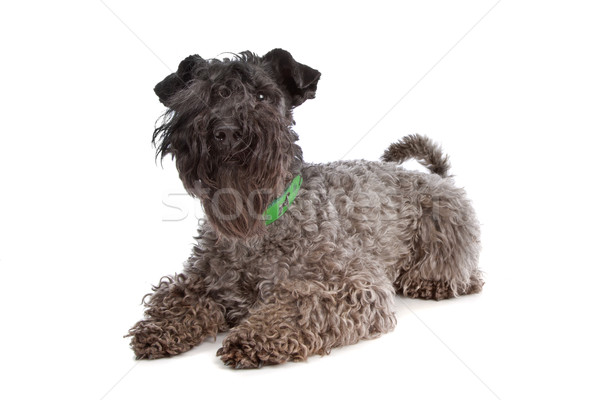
{"x":326,"y":273}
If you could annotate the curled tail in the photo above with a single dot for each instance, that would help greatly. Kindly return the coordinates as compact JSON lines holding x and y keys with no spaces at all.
{"x":422,"y":149}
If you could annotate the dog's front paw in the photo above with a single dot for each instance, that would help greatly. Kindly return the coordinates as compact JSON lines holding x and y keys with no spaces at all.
{"x":250,"y":349}
{"x":152,"y":339}
{"x":239,"y":356}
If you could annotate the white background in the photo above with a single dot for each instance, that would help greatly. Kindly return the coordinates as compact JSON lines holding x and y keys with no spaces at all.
{"x":515,"y":103}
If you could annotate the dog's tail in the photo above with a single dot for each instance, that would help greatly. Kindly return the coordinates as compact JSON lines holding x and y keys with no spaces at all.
{"x":422,"y":149}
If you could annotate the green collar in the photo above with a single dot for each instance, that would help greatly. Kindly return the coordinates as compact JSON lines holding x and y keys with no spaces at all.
{"x":280,"y":205}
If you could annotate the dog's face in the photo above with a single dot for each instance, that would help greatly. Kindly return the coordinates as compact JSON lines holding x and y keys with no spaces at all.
{"x":228,"y":126}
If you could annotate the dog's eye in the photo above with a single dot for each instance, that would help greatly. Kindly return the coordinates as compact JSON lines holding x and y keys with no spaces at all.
{"x":261,"y":96}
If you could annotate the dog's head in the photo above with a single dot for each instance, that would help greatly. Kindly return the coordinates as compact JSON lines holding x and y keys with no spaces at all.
{"x":228,"y":127}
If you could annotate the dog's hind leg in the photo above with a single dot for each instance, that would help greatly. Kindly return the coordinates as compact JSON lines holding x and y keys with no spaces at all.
{"x":446,"y":243}
{"x":445,"y":263}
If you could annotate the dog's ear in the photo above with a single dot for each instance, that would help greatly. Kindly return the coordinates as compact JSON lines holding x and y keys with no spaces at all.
{"x":298,"y":80}
{"x":178,"y":80}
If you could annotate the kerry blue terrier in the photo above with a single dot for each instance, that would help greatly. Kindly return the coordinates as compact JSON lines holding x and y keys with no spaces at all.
{"x":294,"y":258}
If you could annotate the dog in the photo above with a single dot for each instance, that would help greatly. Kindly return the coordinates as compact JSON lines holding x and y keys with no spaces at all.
{"x":294,"y":259}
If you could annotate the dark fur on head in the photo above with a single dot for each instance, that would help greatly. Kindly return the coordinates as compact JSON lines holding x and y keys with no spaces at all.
{"x":228,"y":127}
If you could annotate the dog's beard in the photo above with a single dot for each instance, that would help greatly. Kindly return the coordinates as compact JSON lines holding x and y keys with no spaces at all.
{"x":234,"y":205}
{"x":236,"y":194}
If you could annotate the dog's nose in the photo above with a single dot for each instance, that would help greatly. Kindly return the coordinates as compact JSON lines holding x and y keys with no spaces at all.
{"x":227,"y":137}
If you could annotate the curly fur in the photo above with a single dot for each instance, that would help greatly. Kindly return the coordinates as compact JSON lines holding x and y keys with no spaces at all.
{"x":422,"y":149}
{"x":215,"y":98}
{"x":325,"y":274}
